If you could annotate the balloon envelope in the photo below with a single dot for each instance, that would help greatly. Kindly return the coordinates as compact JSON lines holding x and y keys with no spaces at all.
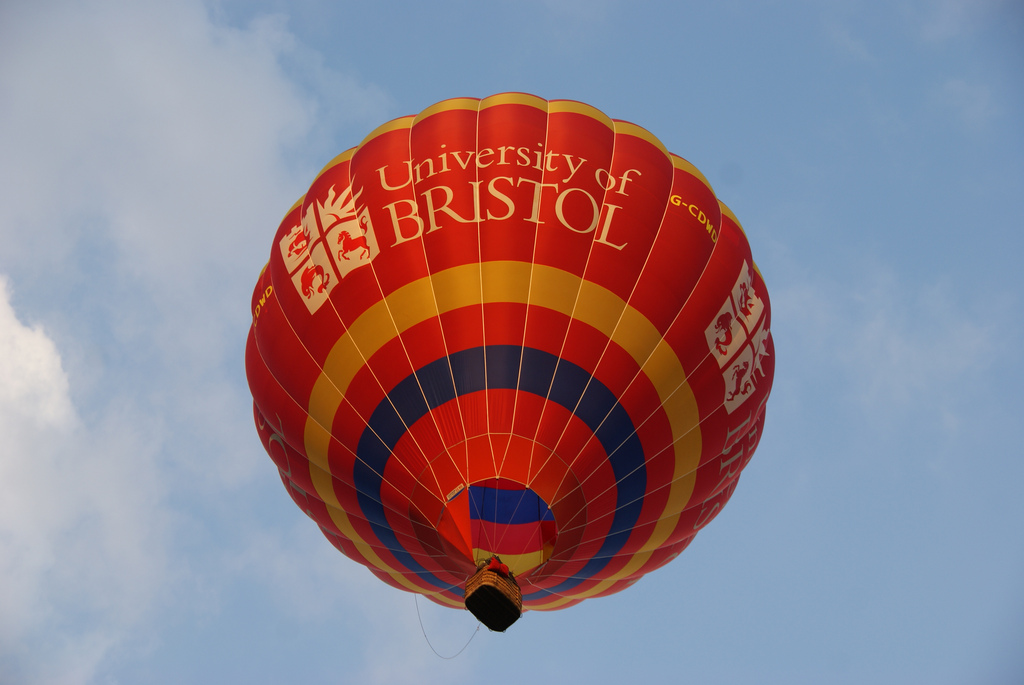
{"x":510,"y":327}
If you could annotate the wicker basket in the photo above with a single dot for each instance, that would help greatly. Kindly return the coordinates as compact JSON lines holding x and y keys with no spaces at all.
{"x":494,"y":598}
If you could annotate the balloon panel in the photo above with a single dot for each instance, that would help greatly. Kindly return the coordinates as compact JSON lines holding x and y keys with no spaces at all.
{"x":516,"y":327}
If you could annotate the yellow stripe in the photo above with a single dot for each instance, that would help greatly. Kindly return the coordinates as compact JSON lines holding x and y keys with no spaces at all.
{"x":447,"y":601}
{"x":447,"y":106}
{"x":411,"y":304}
{"x":728,"y":212}
{"x":553,"y":288}
{"x":505,"y":282}
{"x":601,"y":308}
{"x":343,"y":157}
{"x":629,"y":129}
{"x":317,"y":439}
{"x":667,"y":375}
{"x":684,"y":165}
{"x":298,"y":203}
{"x":370,"y":332}
{"x":393,"y":125}
{"x":515,"y":99}
{"x":457,"y":287}
{"x":581,"y":108}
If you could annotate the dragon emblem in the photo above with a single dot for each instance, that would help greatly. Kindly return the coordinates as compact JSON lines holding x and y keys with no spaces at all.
{"x":723,"y":326}
{"x":311,"y":273}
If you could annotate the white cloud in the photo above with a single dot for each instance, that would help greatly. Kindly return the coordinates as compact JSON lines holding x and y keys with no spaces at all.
{"x":147,"y":159}
{"x":34,"y":387}
{"x":80,"y":519}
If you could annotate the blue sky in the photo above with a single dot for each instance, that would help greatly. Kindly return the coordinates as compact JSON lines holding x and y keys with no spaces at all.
{"x":874,"y":152}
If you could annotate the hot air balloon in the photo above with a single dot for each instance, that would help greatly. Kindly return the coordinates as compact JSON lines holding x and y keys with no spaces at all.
{"x":510,"y":354}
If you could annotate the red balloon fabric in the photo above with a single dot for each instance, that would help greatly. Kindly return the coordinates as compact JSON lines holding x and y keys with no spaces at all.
{"x":510,"y":327}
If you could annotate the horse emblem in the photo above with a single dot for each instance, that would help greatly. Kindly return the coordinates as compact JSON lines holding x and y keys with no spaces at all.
{"x":351,"y":244}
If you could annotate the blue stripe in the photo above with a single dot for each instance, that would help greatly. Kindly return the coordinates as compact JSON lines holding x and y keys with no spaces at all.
{"x":498,"y":367}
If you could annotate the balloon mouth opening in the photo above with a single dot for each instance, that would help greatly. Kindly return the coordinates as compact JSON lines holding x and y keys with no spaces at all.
{"x":511,"y":521}
{"x":498,"y":517}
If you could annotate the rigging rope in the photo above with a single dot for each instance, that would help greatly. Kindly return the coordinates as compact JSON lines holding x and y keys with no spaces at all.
{"x":416,"y":597}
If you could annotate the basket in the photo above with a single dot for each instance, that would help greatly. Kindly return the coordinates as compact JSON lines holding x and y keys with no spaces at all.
{"x":494,"y":598}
